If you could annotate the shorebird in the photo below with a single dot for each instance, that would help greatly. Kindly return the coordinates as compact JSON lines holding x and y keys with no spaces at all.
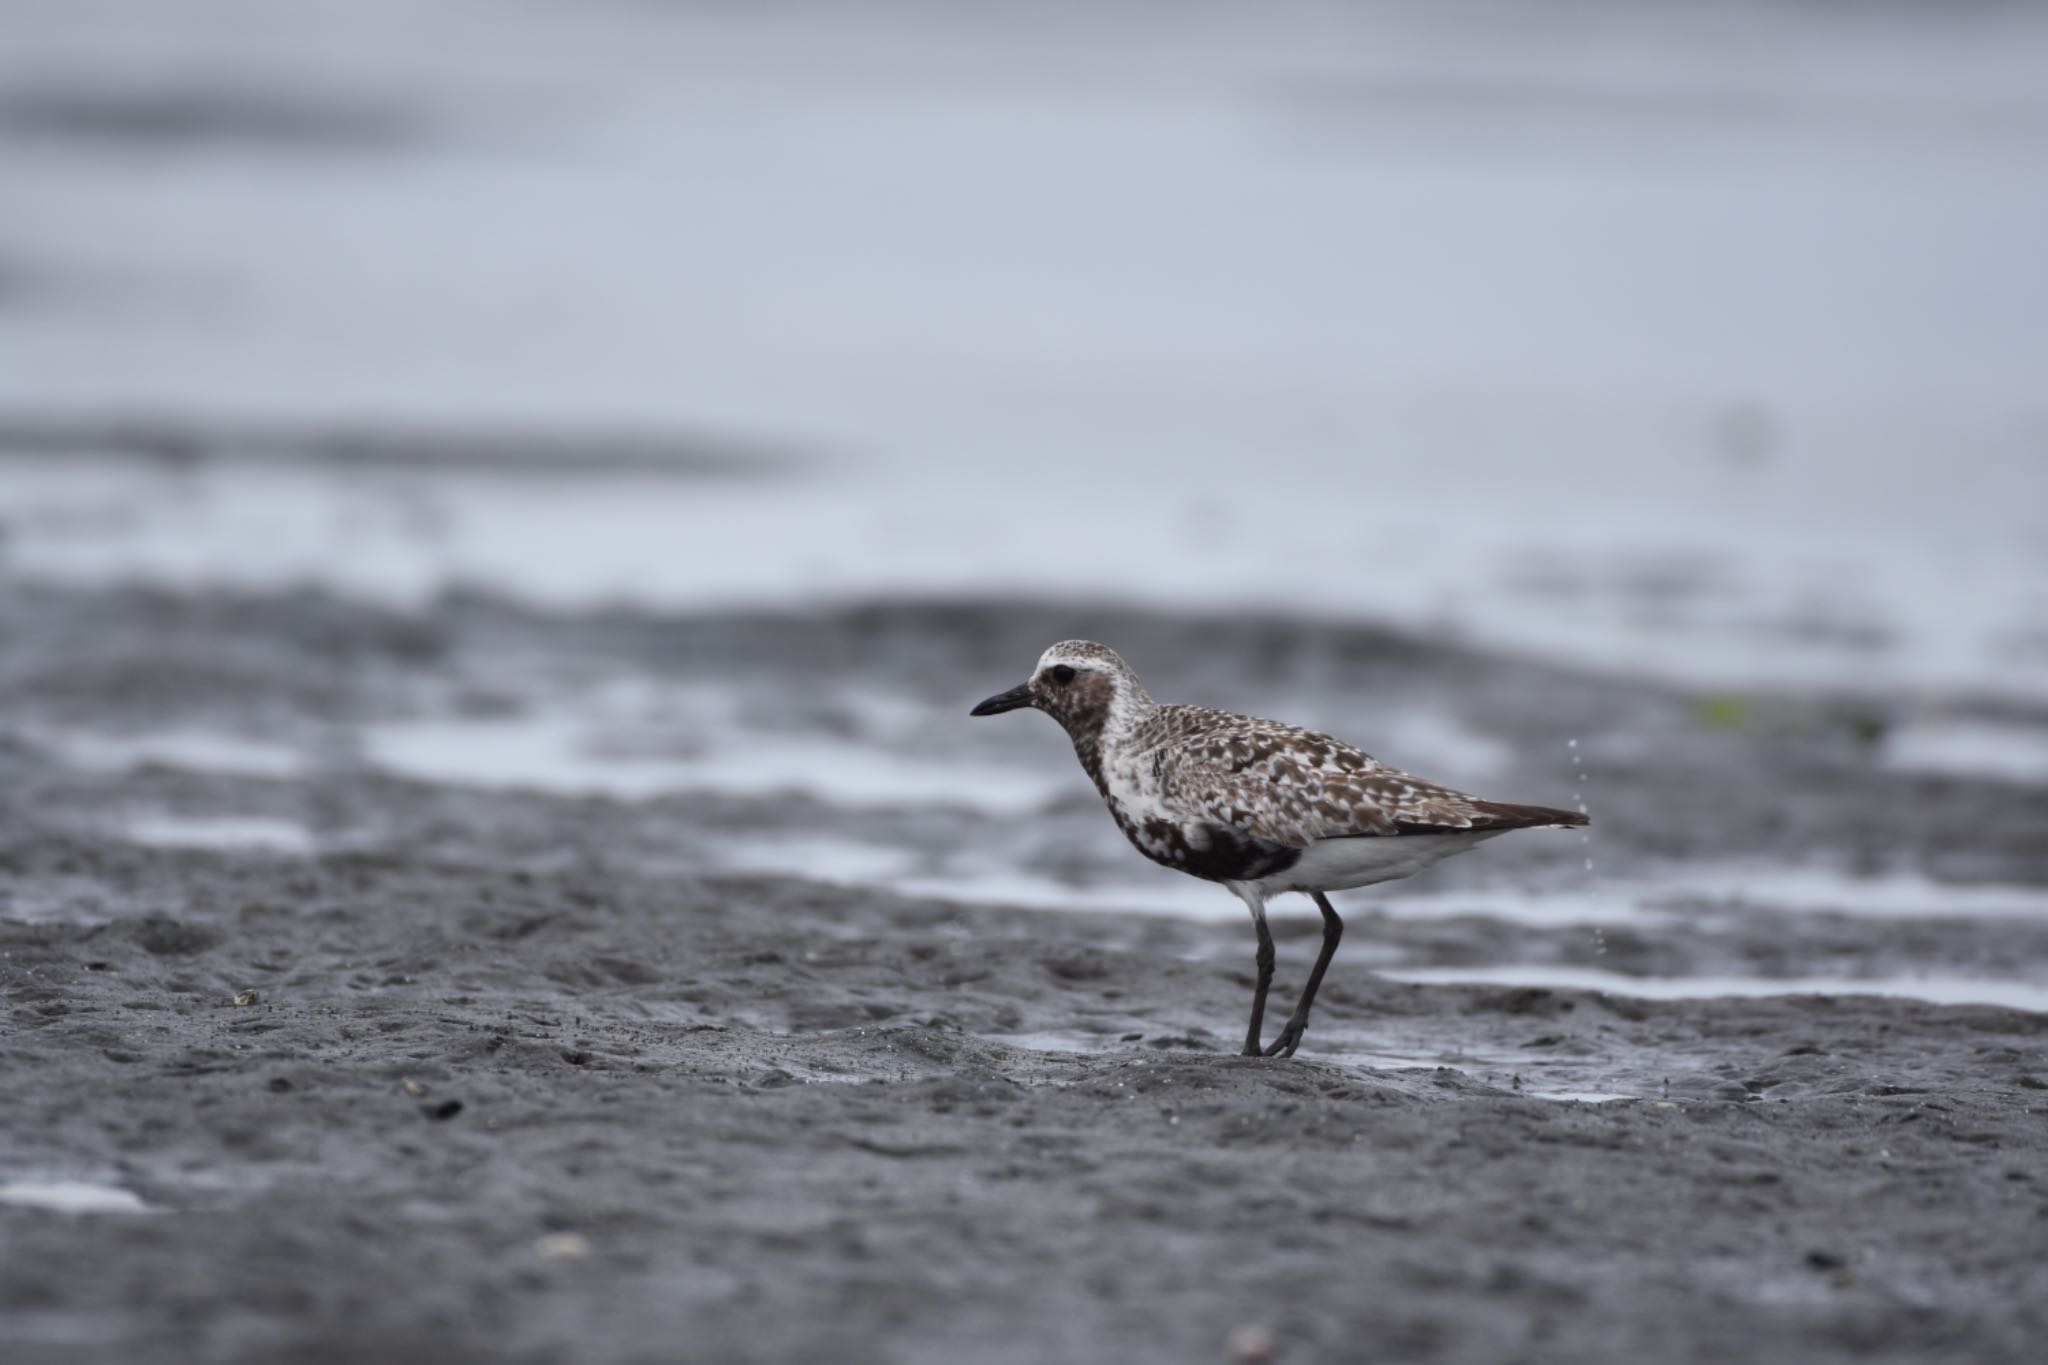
{"x":1262,"y":807}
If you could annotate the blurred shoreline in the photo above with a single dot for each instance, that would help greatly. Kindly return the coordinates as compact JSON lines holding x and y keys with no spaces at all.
{"x":1701,"y":342}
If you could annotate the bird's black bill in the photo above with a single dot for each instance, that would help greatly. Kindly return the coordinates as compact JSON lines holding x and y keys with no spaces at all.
{"x":1004,"y":701}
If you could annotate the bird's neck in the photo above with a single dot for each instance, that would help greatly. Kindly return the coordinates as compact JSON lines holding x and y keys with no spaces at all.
{"x":1102,"y":734}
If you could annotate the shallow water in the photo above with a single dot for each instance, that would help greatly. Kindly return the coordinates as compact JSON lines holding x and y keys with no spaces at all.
{"x":252,"y":833}
{"x":1971,"y":747}
{"x":1746,"y":393}
{"x":882,"y":842}
{"x":563,"y":755}
{"x":1941,"y":990}
{"x":70,"y":1196}
{"x":1744,"y":604}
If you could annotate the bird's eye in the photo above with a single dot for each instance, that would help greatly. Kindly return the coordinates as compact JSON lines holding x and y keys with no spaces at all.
{"x":1062,"y":674}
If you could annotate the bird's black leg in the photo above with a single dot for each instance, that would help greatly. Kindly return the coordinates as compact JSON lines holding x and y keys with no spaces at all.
{"x":1297,"y":1023}
{"x":1265,"y":961}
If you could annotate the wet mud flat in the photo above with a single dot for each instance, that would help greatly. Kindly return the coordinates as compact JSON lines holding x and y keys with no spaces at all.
{"x":365,"y":1059}
{"x":465,"y":1114}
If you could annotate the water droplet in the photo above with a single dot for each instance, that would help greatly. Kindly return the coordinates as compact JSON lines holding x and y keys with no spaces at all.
{"x":1580,"y":781}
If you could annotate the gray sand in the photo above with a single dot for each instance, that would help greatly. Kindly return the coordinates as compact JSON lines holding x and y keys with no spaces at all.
{"x":511,"y":1081}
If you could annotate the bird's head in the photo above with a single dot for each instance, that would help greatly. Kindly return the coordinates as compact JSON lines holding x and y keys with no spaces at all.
{"x":1080,"y":684}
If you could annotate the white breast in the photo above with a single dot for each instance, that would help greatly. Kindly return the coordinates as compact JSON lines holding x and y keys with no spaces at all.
{"x":1132,"y":786}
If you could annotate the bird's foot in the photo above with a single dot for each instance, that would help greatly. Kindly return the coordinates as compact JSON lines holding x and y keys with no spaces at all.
{"x":1252,"y":1050}
{"x":1289,"y":1039}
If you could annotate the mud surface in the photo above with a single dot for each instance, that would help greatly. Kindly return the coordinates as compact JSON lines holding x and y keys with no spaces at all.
{"x":416,"y":1069}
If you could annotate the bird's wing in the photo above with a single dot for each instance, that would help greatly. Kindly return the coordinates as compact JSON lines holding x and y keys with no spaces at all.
{"x":1293,"y":786}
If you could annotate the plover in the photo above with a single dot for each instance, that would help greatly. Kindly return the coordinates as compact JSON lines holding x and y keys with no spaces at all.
{"x":1259,"y":806}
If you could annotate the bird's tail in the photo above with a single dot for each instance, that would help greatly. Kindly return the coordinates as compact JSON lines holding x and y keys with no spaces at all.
{"x":1509,"y":815}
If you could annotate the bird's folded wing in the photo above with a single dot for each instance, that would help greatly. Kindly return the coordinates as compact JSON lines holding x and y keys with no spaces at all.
{"x":1295,"y":787}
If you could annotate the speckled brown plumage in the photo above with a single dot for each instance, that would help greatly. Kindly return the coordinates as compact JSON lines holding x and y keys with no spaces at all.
{"x":1295,"y":786}
{"x":1267,"y":782}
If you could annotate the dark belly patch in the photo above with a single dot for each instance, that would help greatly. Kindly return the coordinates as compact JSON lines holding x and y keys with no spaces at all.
{"x":1217,"y":853}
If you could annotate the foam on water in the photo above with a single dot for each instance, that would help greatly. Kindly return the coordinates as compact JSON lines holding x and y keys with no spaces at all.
{"x":1897,"y":895}
{"x":849,"y":862}
{"x":993,"y":886}
{"x":1940,"y":990}
{"x":225,"y":832}
{"x":1969,"y":748}
{"x":561,"y":753}
{"x":70,"y":1196}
